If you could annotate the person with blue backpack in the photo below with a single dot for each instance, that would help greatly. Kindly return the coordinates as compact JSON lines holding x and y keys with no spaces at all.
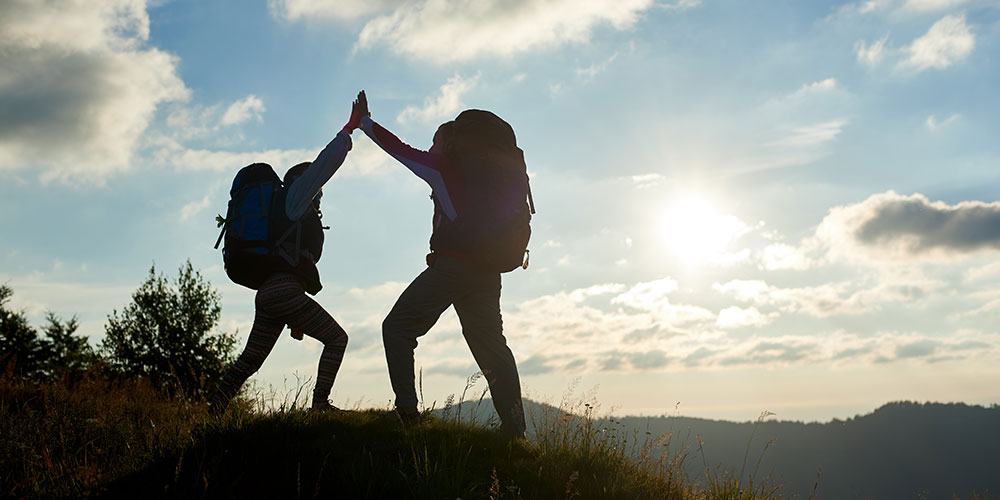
{"x":482,"y":210}
{"x":274,"y":238}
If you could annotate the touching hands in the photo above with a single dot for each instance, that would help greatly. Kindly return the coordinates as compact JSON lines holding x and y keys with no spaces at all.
{"x":359,"y":108}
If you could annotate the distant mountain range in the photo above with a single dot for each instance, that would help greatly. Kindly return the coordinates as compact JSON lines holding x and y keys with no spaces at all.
{"x":903,"y":450}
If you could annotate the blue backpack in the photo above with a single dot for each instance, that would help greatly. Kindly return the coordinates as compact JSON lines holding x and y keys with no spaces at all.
{"x":254,"y":234}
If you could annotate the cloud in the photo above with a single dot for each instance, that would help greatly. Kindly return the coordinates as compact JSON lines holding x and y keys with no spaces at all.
{"x":680,"y":4}
{"x":871,"y":54}
{"x":647,"y":295}
{"x":825,"y":300}
{"x":647,"y":180}
{"x":948,"y":41}
{"x":79,"y":87}
{"x":240,"y":111}
{"x":862,"y":8}
{"x":894,"y":226}
{"x":580,"y":324}
{"x":364,"y":160}
{"x":595,"y":69}
{"x":447,"y":103}
{"x":933,"y":123}
{"x":931,"y":5}
{"x":737,"y":317}
{"x":192,"y":209}
{"x":811,"y":135}
{"x":820,"y":86}
{"x":744,"y":290}
{"x":445,"y":31}
{"x":293,"y":10}
{"x":783,"y":256}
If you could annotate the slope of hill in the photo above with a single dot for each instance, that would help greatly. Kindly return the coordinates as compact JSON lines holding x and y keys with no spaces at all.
{"x":901,"y":450}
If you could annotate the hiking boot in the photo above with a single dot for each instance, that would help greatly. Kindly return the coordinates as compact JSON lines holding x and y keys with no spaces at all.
{"x":406,"y":417}
{"x":324,"y":407}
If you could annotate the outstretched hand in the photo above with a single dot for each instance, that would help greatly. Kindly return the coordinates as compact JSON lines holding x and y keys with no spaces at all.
{"x":362,"y":102}
{"x":359,"y":108}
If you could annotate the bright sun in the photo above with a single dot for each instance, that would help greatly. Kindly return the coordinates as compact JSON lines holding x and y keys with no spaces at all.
{"x":698,"y":234}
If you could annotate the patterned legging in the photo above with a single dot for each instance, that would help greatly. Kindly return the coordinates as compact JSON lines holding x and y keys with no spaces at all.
{"x":281,"y":301}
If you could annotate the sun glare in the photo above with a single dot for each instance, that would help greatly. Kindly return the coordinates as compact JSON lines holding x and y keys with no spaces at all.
{"x":698,"y":234}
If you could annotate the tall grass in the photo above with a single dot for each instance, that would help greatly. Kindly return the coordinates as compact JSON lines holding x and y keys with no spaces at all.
{"x":61,"y":439}
{"x":99,"y":438}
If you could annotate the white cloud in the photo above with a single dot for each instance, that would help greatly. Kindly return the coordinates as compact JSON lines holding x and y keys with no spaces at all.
{"x":811,"y":135}
{"x":79,"y":85}
{"x":680,"y":4}
{"x":931,"y":5}
{"x":948,"y":41}
{"x":365,"y":158}
{"x":830,"y":299}
{"x":240,"y":111}
{"x":193,"y":208}
{"x":325,"y":9}
{"x":446,"y":31}
{"x":783,"y":256}
{"x":871,"y":54}
{"x":736,"y":317}
{"x":820,"y":86}
{"x":933,"y":123}
{"x":647,"y":180}
{"x":595,"y":69}
{"x":647,"y":295}
{"x":446,"y":104}
{"x":744,"y":290}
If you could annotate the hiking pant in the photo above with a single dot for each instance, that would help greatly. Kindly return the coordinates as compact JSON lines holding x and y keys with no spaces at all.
{"x":281,"y":301}
{"x":476,"y":297}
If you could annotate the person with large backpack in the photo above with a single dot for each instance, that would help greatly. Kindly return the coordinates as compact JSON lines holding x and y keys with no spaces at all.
{"x":273,"y":240}
{"x":482,"y":210}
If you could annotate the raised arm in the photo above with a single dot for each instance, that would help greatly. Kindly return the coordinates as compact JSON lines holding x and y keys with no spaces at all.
{"x":302,"y":191}
{"x":426,"y":165}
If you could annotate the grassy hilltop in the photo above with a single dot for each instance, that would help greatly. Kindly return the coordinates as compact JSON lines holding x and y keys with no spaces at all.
{"x":99,"y":439}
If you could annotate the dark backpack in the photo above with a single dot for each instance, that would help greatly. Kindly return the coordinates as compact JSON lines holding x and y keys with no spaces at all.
{"x":494,"y":225}
{"x":259,"y":238}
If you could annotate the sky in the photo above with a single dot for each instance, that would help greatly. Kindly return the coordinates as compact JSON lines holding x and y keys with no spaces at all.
{"x":741,"y":206}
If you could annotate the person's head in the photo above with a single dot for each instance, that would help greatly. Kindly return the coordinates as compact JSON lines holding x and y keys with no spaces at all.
{"x":442,"y":138}
{"x":296,"y":172}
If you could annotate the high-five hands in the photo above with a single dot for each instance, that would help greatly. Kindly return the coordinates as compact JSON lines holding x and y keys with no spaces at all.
{"x":359,"y":108}
{"x":362,"y":102}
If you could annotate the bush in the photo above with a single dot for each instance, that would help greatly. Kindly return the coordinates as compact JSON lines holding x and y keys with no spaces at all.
{"x":165,"y":335}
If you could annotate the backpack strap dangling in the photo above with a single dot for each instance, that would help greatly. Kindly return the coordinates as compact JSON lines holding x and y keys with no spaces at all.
{"x":291,"y":260}
{"x":531,"y":201}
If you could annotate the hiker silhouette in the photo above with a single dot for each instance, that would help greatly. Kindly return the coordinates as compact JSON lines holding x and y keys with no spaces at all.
{"x":280,"y":263}
{"x":481,"y":227}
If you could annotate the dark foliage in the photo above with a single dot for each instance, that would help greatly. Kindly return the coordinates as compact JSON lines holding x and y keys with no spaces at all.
{"x":165,"y":335}
{"x":24,"y":354}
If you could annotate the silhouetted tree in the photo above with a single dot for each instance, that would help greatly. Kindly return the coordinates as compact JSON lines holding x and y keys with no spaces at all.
{"x":165,"y":334}
{"x":25,"y":354}
{"x":65,"y":354}
{"x":20,"y":349}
